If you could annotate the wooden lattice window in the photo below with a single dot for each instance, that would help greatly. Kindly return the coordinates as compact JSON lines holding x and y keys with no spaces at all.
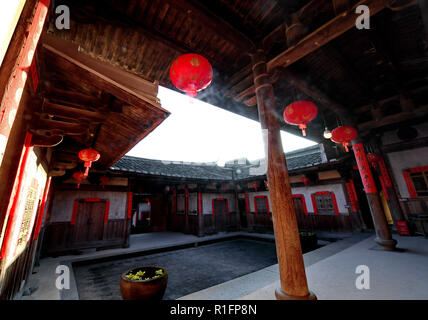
{"x":324,"y":203}
{"x":420,"y":182}
{"x":261,"y":204}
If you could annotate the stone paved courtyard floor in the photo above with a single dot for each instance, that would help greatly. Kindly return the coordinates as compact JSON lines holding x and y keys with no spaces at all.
{"x":189,"y":270}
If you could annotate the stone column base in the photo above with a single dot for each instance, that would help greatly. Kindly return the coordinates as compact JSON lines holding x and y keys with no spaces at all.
{"x":280,"y":295}
{"x":389,"y":245}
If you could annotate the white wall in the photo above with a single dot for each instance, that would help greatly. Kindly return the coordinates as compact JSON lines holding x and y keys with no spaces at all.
{"x":403,"y":160}
{"x":337,"y":189}
{"x":63,"y":201}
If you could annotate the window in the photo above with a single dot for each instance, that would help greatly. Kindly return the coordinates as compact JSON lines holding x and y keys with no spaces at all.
{"x":417,"y":181}
{"x":193,"y":204}
{"x":181,"y":206}
{"x":420,"y":182}
{"x":324,"y":203}
{"x":261,"y":204}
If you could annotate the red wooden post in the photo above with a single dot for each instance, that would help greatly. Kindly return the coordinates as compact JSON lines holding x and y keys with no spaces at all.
{"x":384,"y":238}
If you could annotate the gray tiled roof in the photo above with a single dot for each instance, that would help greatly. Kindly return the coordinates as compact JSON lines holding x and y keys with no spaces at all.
{"x":172,"y":168}
{"x":210,"y":171}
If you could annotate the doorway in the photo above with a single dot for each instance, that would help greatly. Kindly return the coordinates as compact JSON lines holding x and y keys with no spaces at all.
{"x":89,"y":226}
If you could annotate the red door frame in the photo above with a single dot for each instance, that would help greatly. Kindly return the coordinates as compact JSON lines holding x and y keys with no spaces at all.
{"x":221,"y":199}
{"x":267,"y":203}
{"x":76,"y":207}
{"x":302,"y":197}
{"x":333,"y":198}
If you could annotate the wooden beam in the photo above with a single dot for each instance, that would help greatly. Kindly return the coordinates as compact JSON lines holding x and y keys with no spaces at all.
{"x":198,"y":12}
{"x":316,"y":94}
{"x":119,"y":83}
{"x":72,"y":113}
{"x":38,"y":140}
{"x":393,"y":119}
{"x":73,"y":98}
{"x":59,"y":127}
{"x":312,"y":42}
{"x":64,"y":165}
{"x":329,"y":31}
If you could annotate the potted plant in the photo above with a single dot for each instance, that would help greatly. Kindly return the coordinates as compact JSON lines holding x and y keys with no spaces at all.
{"x":144,"y":283}
{"x":308,"y":240}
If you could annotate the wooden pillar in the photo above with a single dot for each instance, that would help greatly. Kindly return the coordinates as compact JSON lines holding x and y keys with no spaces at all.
{"x":186,"y":210}
{"x":383,"y":234}
{"x":200,"y":215}
{"x":390,"y":194}
{"x":291,"y":267}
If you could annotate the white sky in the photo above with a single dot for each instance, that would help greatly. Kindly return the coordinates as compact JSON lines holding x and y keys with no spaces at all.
{"x":199,"y":132}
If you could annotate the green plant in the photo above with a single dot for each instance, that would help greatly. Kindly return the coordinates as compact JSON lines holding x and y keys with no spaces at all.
{"x":139,"y":275}
{"x":306,"y":234}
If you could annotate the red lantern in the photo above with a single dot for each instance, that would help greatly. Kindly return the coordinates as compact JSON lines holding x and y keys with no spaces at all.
{"x":191,"y":73}
{"x":255,"y":185}
{"x":88,"y":155}
{"x":104,"y":181}
{"x":344,"y":135}
{"x":305,"y":181}
{"x":299,"y":113}
{"x":79,"y":176}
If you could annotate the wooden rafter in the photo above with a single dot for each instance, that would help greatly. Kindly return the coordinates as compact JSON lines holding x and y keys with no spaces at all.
{"x":315,"y":40}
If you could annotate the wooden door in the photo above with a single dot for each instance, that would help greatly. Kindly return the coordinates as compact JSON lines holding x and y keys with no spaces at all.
{"x":220,"y":212}
{"x":89,"y":225}
{"x":243,"y":213}
{"x":300,"y":212}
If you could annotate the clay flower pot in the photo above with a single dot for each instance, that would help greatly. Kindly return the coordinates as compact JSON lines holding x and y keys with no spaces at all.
{"x":308,"y":241}
{"x":151,"y":289}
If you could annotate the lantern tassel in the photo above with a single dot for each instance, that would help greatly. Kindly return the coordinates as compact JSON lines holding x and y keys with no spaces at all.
{"x":346,"y":147}
{"x":302,"y":127}
{"x":191,"y":93}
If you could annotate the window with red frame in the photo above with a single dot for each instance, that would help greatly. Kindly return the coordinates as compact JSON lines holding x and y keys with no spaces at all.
{"x":420,"y":181}
{"x":325,"y":203}
{"x":261,"y":204}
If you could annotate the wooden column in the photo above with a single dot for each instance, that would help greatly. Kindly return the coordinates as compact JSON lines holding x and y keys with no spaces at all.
{"x":383,"y":234}
{"x":200,"y":215}
{"x":390,"y":194}
{"x":291,"y":267}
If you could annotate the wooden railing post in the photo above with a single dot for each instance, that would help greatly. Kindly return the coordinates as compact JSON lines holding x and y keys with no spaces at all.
{"x":291,"y":267}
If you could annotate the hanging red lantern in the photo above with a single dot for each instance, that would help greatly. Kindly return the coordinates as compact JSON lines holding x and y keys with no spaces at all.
{"x":255,"y":185}
{"x":79,"y":176}
{"x":104,"y":180}
{"x":299,"y":113}
{"x":88,"y":155}
{"x":344,"y":135}
{"x":305,"y":181}
{"x":191,"y":73}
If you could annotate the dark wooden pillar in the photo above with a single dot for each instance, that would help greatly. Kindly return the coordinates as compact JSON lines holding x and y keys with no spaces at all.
{"x":200,"y":215}
{"x":291,"y":267}
{"x":383,"y":234}
{"x":390,"y":194}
